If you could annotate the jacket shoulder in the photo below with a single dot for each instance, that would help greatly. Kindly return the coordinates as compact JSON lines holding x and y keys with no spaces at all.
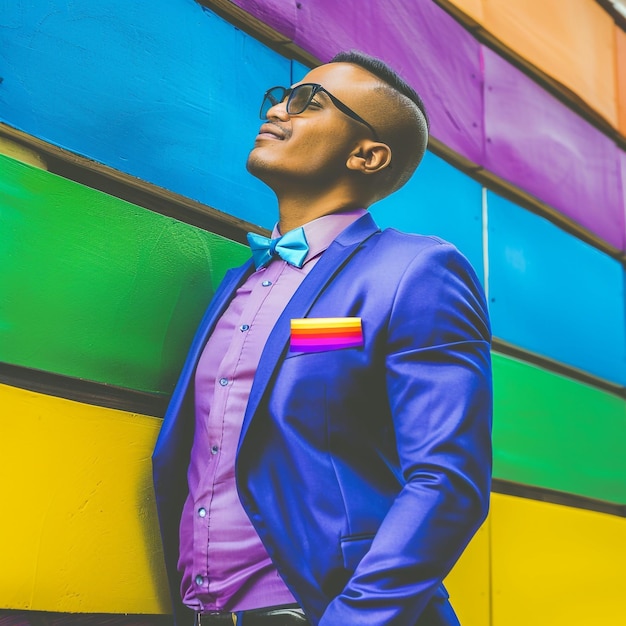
{"x":407,"y":246}
{"x":391,"y":236}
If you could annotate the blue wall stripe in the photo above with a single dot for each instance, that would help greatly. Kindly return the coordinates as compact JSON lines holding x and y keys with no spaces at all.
{"x":553,"y":294}
{"x":168,"y":92}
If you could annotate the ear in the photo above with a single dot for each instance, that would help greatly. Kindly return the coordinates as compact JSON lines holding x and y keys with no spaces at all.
{"x":369,"y":157}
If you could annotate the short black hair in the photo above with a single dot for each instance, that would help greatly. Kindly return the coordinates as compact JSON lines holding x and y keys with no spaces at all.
{"x":381,"y":70}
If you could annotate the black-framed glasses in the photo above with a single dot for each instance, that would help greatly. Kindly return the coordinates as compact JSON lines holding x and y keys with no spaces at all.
{"x":299,"y":98}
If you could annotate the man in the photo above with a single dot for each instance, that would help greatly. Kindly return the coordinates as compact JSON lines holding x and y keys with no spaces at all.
{"x":326,"y":453}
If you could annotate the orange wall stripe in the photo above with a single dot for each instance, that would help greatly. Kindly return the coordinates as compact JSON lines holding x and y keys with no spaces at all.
{"x":620,"y":64}
{"x":572,"y":42}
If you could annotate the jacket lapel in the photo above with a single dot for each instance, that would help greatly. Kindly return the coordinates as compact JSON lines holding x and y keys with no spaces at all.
{"x":330,"y":263}
{"x":218,"y":304}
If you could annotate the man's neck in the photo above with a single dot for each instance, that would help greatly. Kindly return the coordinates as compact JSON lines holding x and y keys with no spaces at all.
{"x":296,"y":211}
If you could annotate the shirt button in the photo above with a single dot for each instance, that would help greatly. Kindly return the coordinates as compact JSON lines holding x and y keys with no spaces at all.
{"x":215,"y":449}
{"x":199,"y":580}
{"x":266,"y":283}
{"x":202,"y":512}
{"x":223,"y":382}
{"x":244,"y":327}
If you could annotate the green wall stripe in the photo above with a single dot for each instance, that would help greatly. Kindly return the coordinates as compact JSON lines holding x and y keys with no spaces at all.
{"x":97,"y":288}
{"x":553,"y":432}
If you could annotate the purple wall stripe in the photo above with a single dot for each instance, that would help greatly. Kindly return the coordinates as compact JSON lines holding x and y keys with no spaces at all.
{"x":280,"y":15}
{"x":622,"y":188}
{"x":414,"y":37}
{"x":542,"y":146}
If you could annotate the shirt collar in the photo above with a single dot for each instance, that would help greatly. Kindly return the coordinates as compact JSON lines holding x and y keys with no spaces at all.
{"x":321,"y":232}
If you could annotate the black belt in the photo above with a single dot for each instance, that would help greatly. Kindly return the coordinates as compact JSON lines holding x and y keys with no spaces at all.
{"x":290,"y":615}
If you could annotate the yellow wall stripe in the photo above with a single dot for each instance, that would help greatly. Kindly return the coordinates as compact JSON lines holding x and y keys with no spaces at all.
{"x":469,"y":583}
{"x":78,"y":531}
{"x":554,"y":565}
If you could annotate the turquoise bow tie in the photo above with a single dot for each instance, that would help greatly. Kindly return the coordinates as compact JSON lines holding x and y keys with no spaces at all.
{"x":292,"y":247}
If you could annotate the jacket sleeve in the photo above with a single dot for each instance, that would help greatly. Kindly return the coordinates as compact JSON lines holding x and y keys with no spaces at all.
{"x":438,"y":375}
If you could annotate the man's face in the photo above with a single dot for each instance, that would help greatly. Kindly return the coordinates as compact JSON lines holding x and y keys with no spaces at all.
{"x":313,"y":146}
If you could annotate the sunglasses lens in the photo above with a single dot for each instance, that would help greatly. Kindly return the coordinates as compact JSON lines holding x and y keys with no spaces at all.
{"x":272,"y":97}
{"x":299,"y":99}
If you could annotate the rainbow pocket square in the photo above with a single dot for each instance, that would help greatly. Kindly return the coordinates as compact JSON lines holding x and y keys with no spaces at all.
{"x":318,"y":334}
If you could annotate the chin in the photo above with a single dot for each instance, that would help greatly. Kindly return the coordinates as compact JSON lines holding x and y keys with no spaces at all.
{"x":254,"y":163}
{"x":258,"y":167}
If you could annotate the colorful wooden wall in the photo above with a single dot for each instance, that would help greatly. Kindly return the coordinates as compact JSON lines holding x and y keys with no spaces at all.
{"x":124,"y":198}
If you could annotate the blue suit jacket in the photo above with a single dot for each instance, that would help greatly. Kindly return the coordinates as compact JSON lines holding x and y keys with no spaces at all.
{"x":364,"y":470}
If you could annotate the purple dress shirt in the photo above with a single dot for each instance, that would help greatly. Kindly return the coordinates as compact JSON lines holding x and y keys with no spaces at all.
{"x":223,"y":562}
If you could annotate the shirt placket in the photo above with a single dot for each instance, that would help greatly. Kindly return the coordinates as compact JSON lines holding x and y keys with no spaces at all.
{"x":224,"y":433}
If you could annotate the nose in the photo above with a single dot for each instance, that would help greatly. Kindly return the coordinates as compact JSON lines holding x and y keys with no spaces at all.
{"x":278,"y":111}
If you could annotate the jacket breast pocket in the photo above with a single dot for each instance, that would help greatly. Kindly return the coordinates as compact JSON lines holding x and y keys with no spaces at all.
{"x":324,"y":334}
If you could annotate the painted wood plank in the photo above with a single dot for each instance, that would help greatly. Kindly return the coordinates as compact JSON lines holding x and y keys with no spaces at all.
{"x":97,"y":288}
{"x":553,"y":294}
{"x":170,"y":95}
{"x":79,"y":531}
{"x":553,"y":432}
{"x":572,"y":42}
{"x":622,"y":161}
{"x":49,"y":618}
{"x":620,"y":62}
{"x":542,"y":146}
{"x":556,"y":565}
